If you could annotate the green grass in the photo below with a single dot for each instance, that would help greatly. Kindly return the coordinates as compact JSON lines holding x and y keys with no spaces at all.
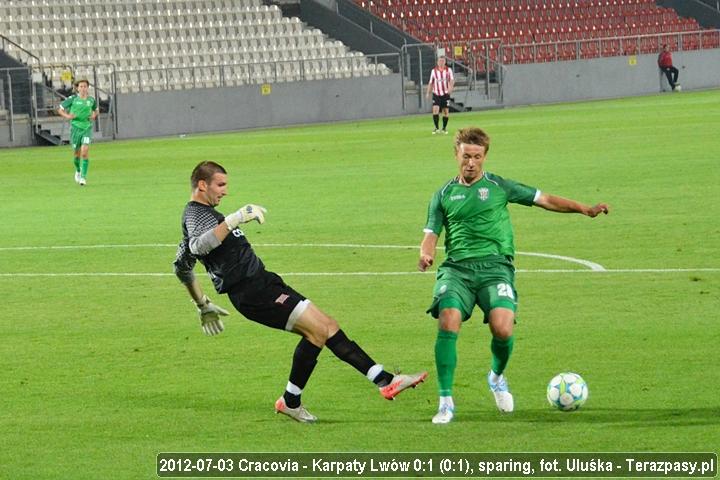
{"x":101,"y":373}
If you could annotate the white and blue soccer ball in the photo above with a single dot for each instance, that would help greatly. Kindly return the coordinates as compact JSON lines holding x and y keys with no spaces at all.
{"x":567,"y":391}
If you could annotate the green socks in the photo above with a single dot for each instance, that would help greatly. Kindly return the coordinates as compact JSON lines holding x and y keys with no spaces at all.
{"x":76,"y":161}
{"x":446,"y":360}
{"x":84,"y":170}
{"x":501,"y":350}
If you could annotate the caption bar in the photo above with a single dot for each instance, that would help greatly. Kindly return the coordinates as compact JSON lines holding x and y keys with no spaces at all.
{"x":438,"y":465}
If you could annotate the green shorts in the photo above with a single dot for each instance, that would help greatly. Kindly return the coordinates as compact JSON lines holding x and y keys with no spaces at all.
{"x":487,"y":283}
{"x":80,"y":137}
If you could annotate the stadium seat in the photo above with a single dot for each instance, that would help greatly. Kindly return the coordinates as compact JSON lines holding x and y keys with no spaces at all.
{"x":144,"y":34}
{"x":539,"y":21}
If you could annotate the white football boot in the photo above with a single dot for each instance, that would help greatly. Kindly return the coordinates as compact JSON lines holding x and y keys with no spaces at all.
{"x":300,"y":413}
{"x":503,"y":397}
{"x":444,"y":415}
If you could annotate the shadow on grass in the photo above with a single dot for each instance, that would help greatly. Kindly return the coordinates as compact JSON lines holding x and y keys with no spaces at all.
{"x":263,"y":412}
{"x":628,"y":417}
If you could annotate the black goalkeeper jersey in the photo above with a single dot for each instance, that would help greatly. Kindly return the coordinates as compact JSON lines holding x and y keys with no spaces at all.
{"x":229,"y":264}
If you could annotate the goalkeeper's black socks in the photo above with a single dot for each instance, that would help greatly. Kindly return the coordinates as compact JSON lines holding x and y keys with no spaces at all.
{"x":291,"y":400}
{"x":304,"y":361}
{"x":445,"y":120}
{"x":349,"y":352}
{"x":436,"y":121}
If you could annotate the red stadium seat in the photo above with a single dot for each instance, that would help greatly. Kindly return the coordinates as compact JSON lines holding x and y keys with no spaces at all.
{"x":545,"y":21}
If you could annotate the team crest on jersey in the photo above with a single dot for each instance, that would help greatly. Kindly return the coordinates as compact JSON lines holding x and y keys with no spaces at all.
{"x":483,"y":193}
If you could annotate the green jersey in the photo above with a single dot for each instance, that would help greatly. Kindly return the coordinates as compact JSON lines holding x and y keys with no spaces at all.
{"x":82,"y":108}
{"x":476,"y":218}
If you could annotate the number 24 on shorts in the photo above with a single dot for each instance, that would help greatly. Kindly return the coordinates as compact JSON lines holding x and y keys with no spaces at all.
{"x":505,"y":290}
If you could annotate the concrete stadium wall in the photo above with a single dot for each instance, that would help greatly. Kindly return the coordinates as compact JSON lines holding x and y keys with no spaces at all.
{"x":23,"y":135}
{"x":236,"y":108}
{"x":605,"y":77}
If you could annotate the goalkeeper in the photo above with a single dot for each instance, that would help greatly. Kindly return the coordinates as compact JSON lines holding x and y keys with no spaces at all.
{"x":260,"y":295}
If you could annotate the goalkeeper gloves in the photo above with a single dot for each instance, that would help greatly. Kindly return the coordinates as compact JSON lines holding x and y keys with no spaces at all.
{"x":246,"y":214}
{"x":210,"y":316}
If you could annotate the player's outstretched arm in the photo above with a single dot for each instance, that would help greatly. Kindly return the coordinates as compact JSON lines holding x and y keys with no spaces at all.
{"x":209,"y":312}
{"x":427,"y":251}
{"x":246,"y":214}
{"x":554,"y":203}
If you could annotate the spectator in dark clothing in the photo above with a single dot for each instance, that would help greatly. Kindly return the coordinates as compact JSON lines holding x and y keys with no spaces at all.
{"x":666,"y":66}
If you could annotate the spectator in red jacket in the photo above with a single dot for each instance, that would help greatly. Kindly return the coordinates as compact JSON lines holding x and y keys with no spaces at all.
{"x":666,"y":65}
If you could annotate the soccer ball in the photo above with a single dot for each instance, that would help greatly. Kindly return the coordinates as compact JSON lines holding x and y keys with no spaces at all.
{"x":567,"y":391}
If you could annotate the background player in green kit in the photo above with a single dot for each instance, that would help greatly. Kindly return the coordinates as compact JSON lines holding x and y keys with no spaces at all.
{"x":82,"y":111}
{"x":478,"y":270}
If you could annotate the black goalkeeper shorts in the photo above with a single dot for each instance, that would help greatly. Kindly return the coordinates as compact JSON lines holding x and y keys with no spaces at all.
{"x":268,"y":300}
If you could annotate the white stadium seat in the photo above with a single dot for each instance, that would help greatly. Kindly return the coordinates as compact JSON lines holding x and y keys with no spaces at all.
{"x":141,"y":35}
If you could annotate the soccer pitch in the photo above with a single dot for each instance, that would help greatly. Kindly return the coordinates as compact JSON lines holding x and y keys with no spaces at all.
{"x":105,"y":364}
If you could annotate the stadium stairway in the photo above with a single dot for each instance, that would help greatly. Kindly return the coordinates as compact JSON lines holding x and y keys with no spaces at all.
{"x":54,"y":131}
{"x":362,"y":30}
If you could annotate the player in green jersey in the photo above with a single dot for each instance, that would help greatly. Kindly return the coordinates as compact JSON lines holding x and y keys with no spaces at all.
{"x":478,"y":270}
{"x":81,"y":110}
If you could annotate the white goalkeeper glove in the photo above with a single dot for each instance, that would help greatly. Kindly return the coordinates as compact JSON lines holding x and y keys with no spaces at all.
{"x":246,"y":214}
{"x":210,"y":316}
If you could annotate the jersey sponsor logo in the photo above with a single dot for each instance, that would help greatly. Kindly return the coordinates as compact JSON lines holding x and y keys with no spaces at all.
{"x":281,"y":299}
{"x":457,"y":197}
{"x":483,"y":193}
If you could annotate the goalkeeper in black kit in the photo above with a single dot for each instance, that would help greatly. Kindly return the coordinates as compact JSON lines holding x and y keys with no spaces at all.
{"x":260,"y":295}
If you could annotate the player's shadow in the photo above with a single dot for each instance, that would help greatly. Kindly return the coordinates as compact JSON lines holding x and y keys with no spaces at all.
{"x":627,"y":417}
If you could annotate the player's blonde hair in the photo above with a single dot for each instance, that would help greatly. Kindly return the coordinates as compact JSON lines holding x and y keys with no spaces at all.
{"x":204,"y":171}
{"x":472,"y":136}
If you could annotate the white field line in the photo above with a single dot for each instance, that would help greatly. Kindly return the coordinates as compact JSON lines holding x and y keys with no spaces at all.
{"x":87,"y":247}
{"x":364,"y":274}
{"x":591,"y":265}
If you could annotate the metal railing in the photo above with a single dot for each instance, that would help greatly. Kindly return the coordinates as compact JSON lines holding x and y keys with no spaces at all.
{"x":607,"y":46}
{"x":18,"y":53}
{"x":712,"y":4}
{"x":234,"y":74}
{"x":2,"y":95}
{"x":471,"y":59}
{"x":101,"y":76}
{"x":12,"y":82}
